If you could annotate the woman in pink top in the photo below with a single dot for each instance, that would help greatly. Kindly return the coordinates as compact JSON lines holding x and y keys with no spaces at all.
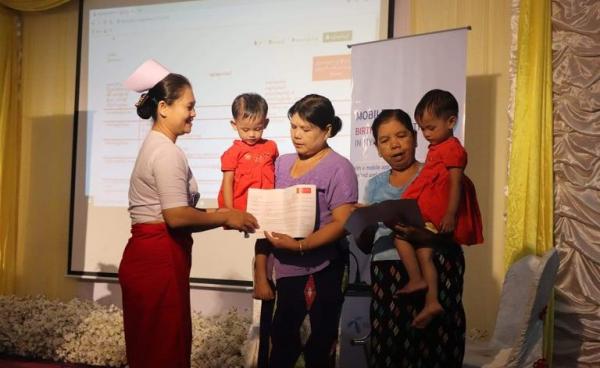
{"x":155,"y":267}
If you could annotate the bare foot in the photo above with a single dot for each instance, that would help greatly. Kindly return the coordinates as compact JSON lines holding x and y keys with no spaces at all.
{"x":413,"y":287}
{"x":263,"y":290}
{"x":427,"y":314}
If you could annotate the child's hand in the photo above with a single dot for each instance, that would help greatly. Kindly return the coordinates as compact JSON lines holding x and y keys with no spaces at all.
{"x":448,"y":223}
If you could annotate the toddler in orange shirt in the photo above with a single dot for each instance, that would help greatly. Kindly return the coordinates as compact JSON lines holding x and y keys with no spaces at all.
{"x":249,"y":163}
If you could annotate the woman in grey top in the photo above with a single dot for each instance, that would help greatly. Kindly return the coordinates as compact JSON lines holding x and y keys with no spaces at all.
{"x":155,"y":268}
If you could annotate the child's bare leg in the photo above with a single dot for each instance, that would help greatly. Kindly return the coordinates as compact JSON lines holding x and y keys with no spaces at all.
{"x":432,"y":305}
{"x":262,"y":287}
{"x":416,"y":281}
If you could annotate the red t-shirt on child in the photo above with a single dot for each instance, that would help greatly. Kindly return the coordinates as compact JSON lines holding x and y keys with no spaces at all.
{"x":431,"y":189}
{"x":253,"y":167}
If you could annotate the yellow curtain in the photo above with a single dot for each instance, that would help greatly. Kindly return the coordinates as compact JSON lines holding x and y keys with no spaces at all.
{"x":10,"y":130}
{"x":32,"y":5}
{"x":10,"y":143}
{"x":529,"y":224}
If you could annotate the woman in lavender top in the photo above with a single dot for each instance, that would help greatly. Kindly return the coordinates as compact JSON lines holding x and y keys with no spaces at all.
{"x":309,"y":271}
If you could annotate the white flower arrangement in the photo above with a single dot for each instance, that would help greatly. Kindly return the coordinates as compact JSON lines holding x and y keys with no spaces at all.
{"x":88,"y":333}
{"x":219,"y":341}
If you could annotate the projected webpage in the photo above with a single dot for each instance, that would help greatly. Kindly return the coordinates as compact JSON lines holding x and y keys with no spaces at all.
{"x":280,"y":49}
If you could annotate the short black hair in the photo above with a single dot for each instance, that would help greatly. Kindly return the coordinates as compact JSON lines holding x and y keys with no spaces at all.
{"x":441,"y":104}
{"x":249,"y":105}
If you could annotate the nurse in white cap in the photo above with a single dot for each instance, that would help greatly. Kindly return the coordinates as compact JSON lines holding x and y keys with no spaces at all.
{"x":155,"y":268}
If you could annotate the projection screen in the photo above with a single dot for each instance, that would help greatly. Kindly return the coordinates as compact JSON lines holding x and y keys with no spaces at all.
{"x":282,"y":49}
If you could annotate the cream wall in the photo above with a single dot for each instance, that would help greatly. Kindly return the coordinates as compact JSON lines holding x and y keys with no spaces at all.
{"x":49,"y":59}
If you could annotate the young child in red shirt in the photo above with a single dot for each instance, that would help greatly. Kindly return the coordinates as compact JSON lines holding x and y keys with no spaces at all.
{"x":249,"y":163}
{"x":446,"y":198}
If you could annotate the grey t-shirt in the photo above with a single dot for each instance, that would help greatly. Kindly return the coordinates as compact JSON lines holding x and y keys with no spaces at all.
{"x":161,"y":179}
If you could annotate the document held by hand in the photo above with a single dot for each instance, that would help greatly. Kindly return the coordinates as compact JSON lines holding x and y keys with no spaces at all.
{"x":290,"y":211}
{"x":405,"y":211}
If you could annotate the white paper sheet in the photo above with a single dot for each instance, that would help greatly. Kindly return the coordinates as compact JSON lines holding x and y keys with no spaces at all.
{"x":288,"y":211}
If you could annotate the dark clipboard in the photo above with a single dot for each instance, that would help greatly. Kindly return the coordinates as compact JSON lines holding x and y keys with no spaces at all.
{"x":405,"y":211}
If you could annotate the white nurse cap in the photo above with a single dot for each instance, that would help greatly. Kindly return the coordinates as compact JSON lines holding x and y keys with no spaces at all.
{"x":146,"y":76}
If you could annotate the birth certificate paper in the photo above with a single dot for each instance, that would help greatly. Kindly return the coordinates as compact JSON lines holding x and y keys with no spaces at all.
{"x":288,"y":211}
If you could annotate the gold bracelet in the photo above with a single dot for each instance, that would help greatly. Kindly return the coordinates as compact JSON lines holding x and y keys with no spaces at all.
{"x":301,"y":250}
